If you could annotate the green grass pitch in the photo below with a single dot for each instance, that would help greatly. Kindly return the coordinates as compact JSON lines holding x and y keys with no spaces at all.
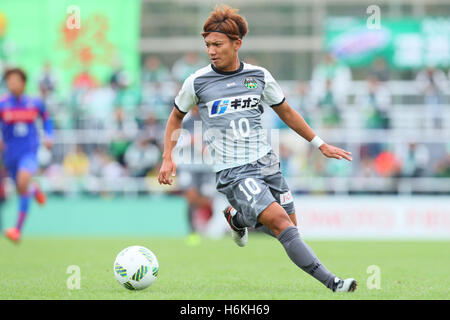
{"x":218,"y":269}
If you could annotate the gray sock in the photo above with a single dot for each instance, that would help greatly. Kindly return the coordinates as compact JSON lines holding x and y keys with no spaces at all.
{"x":303,"y":256}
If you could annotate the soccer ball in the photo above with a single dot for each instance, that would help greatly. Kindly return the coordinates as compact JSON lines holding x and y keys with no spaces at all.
{"x":136,"y":268}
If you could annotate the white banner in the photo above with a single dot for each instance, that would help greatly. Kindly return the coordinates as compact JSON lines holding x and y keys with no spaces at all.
{"x":373,"y":217}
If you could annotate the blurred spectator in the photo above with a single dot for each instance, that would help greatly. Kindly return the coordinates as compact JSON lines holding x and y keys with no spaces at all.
{"x":437,"y":152}
{"x":97,"y":161}
{"x":415,"y":161}
{"x":76,"y":162}
{"x":102,"y":165}
{"x":141,"y":157}
{"x":286,"y":160}
{"x":56,"y":179}
{"x":126,"y":98}
{"x":3,"y":88}
{"x":431,"y":82}
{"x":443,"y":165}
{"x":187,"y":65}
{"x":154,"y":71}
{"x":366,"y":166}
{"x":375,"y":103}
{"x":97,"y":109}
{"x":84,"y":80}
{"x":300,"y":101}
{"x":118,"y":147}
{"x":158,"y":98}
{"x":81,"y":84}
{"x":48,"y":81}
{"x":329,"y":106}
{"x":316,"y":163}
{"x":119,"y":79}
{"x":387,"y":164}
{"x":368,"y":152}
{"x":152,"y":130}
{"x":112,"y":170}
{"x":379,"y":70}
{"x":333,"y":77}
{"x":124,"y":132}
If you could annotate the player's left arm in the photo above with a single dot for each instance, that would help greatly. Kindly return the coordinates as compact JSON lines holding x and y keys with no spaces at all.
{"x":296,"y":122}
{"x":2,"y":144}
{"x":47,"y":124}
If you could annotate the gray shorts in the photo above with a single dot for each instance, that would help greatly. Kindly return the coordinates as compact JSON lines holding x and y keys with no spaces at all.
{"x":251,"y":188}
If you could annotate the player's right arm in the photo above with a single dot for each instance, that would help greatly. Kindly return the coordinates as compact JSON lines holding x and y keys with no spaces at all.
{"x":273,"y":96}
{"x":296,"y":122}
{"x":168,"y":166}
{"x":47,"y":124}
{"x":184,"y":101}
{"x":2,"y":144}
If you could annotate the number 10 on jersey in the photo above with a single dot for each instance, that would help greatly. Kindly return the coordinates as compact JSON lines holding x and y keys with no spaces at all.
{"x":242,"y":129}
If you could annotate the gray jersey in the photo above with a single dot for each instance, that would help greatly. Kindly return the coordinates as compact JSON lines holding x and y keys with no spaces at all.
{"x":230,"y":106}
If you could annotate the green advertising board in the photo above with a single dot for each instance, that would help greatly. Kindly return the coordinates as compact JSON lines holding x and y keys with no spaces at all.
{"x":404,"y":43}
{"x":151,"y":215}
{"x":33,"y":32}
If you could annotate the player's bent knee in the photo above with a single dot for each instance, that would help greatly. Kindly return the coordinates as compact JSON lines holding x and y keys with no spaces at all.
{"x":281,"y":224}
{"x":275,"y":218}
{"x":293,"y":218}
{"x":22,"y":189}
{"x":23,"y":182}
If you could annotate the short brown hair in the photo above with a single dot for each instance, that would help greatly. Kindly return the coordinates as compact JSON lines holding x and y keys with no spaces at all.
{"x":226,"y":20}
{"x":18,"y":71}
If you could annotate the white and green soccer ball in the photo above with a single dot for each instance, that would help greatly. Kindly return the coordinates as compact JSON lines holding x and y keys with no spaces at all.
{"x":136,"y":268}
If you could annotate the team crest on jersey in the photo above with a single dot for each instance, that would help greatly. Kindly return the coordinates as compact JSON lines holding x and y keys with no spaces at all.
{"x":250,"y":83}
{"x":233,"y":104}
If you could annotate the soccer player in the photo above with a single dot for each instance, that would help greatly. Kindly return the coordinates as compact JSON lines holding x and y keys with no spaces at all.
{"x":20,"y":142}
{"x":230,"y":95}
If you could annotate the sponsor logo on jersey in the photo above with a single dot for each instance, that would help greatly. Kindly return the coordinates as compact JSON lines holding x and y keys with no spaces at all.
{"x":19,"y":115}
{"x":250,"y":83}
{"x":286,"y":198}
{"x":230,"y":105}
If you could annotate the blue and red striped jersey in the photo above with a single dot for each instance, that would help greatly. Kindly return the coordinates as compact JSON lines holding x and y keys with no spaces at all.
{"x":18,"y":117}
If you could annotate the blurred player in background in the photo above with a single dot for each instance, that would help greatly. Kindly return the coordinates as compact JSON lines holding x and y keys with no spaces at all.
{"x":230,"y":95}
{"x":196,"y":180}
{"x":3,"y":175}
{"x":20,"y":142}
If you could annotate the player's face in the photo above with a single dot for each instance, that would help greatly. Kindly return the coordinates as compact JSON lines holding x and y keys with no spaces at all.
{"x":222,"y":51}
{"x":15,"y":84}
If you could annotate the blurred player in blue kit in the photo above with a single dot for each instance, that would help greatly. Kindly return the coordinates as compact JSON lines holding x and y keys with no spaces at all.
{"x":20,"y":142}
